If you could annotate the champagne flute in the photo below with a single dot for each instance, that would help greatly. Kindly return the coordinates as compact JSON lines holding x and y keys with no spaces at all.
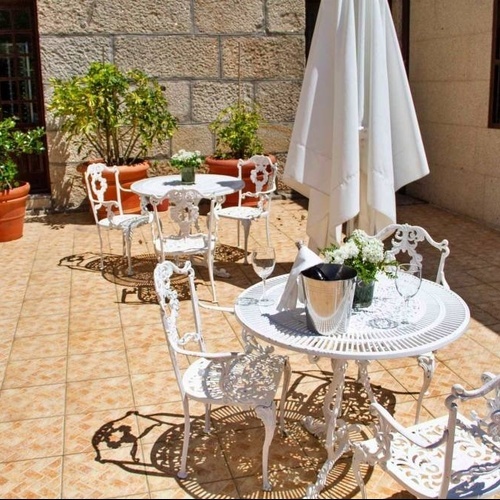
{"x":263,"y":262}
{"x":408,"y":278}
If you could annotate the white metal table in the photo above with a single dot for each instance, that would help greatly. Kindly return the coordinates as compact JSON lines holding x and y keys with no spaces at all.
{"x":211,"y":186}
{"x":214,"y":187}
{"x":437,"y":317}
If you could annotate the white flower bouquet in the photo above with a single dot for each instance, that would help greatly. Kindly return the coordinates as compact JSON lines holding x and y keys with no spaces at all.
{"x":185,"y":158}
{"x":363,"y":253}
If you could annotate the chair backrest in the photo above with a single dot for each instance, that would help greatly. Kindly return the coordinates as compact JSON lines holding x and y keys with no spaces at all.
{"x":97,"y":186}
{"x":184,"y":210}
{"x":185,"y":214}
{"x":405,"y":240}
{"x":263,"y":176}
{"x":170,"y":306}
{"x":477,"y":450}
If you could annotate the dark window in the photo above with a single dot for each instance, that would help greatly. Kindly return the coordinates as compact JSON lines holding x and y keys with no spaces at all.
{"x":494,"y":118}
{"x":21,"y":93}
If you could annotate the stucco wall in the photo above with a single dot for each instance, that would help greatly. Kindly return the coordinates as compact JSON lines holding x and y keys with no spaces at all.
{"x":450,"y":54}
{"x":193,"y":48}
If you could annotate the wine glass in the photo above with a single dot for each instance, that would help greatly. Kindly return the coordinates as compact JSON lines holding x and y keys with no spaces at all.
{"x":263,"y":262}
{"x":408,"y":278}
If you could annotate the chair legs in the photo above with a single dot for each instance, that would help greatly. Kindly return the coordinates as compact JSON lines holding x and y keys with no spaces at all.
{"x":284,"y":391}
{"x":268,"y":416}
{"x":101,"y":265}
{"x":428,"y":364}
{"x":127,"y":247}
{"x":210,"y":266}
{"x":208,"y":424}
{"x":185,"y":441}
{"x":356,"y":468}
{"x":246,"y":232}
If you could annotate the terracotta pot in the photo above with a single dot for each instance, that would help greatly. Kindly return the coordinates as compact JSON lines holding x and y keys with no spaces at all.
{"x":230,"y":167}
{"x":12,"y":212}
{"x":128,"y":174}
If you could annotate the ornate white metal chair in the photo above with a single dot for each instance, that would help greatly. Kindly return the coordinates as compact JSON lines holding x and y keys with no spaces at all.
{"x":249,"y":380}
{"x":405,"y":240}
{"x":263,"y":177}
{"x":447,"y":457}
{"x":188,"y":240}
{"x":97,"y":187}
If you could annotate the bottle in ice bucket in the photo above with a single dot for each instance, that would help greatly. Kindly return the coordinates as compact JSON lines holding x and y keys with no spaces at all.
{"x":315,"y":273}
{"x":328,"y":292}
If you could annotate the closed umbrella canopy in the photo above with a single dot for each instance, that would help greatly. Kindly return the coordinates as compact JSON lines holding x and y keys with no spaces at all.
{"x":356,"y":139}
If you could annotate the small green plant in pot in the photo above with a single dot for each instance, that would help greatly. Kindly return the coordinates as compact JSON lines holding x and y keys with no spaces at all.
{"x":115,"y":116}
{"x":235,"y":130}
{"x":236,"y":135}
{"x":14,"y":192}
{"x":14,"y":142}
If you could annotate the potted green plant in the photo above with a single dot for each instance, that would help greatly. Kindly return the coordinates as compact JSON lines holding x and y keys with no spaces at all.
{"x":236,"y":135}
{"x":115,"y":116}
{"x":187,"y":162}
{"x":13,"y":192}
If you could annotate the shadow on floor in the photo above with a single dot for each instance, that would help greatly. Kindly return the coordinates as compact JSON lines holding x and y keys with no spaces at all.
{"x":294,"y":459}
{"x":140,"y":286}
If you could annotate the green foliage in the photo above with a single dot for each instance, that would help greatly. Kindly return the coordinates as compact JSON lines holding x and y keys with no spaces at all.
{"x":118,"y":115}
{"x":235,"y":129}
{"x":13,"y":143}
{"x":363,"y":253}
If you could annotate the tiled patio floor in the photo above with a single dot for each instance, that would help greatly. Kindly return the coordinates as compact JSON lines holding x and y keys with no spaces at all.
{"x":81,"y":349}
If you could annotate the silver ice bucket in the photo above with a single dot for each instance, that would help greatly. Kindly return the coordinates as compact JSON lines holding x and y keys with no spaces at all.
{"x":328,"y":294}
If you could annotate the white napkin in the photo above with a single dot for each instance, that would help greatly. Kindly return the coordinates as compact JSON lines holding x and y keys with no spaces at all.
{"x":305,"y":259}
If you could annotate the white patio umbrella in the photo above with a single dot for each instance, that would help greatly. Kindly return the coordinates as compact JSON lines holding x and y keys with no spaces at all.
{"x":355,"y":139}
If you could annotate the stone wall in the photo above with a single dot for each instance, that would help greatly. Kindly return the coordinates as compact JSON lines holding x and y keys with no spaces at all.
{"x":203,"y":51}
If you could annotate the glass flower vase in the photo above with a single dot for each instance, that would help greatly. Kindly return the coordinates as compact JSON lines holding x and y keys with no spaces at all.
{"x":363,"y":294}
{"x":188,"y":175}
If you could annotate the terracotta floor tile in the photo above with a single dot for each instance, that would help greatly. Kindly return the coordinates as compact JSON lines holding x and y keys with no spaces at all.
{"x":32,"y":402}
{"x":40,"y":346}
{"x":106,"y":325}
{"x":101,"y":394}
{"x":155,"y":388}
{"x":42,"y":325}
{"x":80,"y":430}
{"x":144,"y":335}
{"x":83,"y":477}
{"x":8,"y":328}
{"x":44,"y":306}
{"x":188,"y":488}
{"x":29,"y":439}
{"x":108,"y":318}
{"x":39,"y":371}
{"x":411,"y":378}
{"x":5,"y":348}
{"x":97,"y":365}
{"x":469,"y":368}
{"x":149,"y":359}
{"x":37,"y":478}
{"x":92,"y":341}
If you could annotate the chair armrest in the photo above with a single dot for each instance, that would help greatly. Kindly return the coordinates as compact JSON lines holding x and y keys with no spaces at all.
{"x":250,"y":194}
{"x":195,"y":337}
{"x":216,"y":308}
{"x":390,"y":422}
